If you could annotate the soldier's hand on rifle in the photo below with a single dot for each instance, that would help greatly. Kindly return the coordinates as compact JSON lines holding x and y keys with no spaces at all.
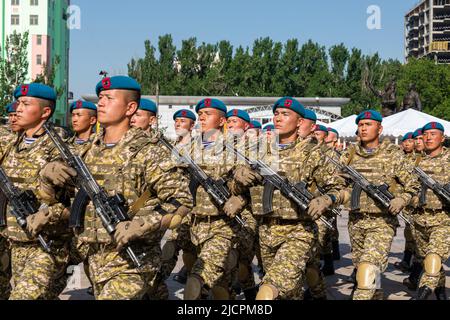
{"x":36,"y":222}
{"x":234,"y":206}
{"x":319,"y":206}
{"x":247,"y":177}
{"x":128,"y":231}
{"x":58,"y":173}
{"x":397,"y":205}
{"x":415,"y":202}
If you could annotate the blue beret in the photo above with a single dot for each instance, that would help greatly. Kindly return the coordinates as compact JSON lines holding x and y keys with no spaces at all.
{"x":408,"y":136}
{"x":36,"y":90}
{"x":334,"y":131}
{"x":290,"y":103}
{"x":82,"y":105}
{"x":148,"y":105}
{"x":269,"y":127}
{"x":117,"y":83}
{"x":417,"y":133}
{"x":433,"y":126}
{"x":369,"y":115}
{"x":255,"y":125}
{"x":321,"y":128}
{"x":11,"y":108}
{"x":310,"y":115}
{"x":240,"y":114}
{"x":211,"y":103}
{"x":184,"y":114}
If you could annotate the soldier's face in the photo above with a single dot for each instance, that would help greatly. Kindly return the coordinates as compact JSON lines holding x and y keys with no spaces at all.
{"x":331,"y":139}
{"x":433,"y":139}
{"x":82,"y":120}
{"x":31,"y":112}
{"x":306,"y":128}
{"x":143,"y":119}
{"x":183,"y":126}
{"x":237,"y":126}
{"x":211,"y":119}
{"x":419,"y":144}
{"x":287,"y":121}
{"x":369,"y":130}
{"x":408,"y":146}
{"x":320,"y":136}
{"x":114,"y":107}
{"x":12,"y":118}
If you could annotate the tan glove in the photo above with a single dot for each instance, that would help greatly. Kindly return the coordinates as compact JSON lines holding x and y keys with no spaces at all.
{"x":397,"y":205}
{"x":319,"y":206}
{"x":57,"y":173}
{"x":415,"y":202}
{"x":173,"y":221}
{"x":37,"y":221}
{"x":234,"y":206}
{"x":247,"y":177}
{"x":130,"y":230}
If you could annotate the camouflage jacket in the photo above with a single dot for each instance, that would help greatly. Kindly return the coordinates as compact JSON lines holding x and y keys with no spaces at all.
{"x":130,"y":168}
{"x":23,"y":163}
{"x":387,"y":164}
{"x":300,"y":162}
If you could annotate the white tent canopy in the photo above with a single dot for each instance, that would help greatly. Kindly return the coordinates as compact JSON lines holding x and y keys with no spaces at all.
{"x":409,"y":121}
{"x":346,"y":127}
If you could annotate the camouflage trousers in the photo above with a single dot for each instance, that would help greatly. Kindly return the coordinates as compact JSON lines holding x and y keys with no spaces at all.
{"x":5,"y":269}
{"x":181,"y":241}
{"x":246,"y":249}
{"x":214,"y":238}
{"x":410,"y":243}
{"x":432,"y":233}
{"x":286,"y":247}
{"x":38,"y":275}
{"x":371,"y":240}
{"x":113,"y":275}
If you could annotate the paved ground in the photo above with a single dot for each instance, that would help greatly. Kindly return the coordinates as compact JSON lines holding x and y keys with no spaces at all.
{"x":338,"y":289}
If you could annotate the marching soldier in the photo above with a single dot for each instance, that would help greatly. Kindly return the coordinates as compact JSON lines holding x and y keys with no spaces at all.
{"x":146,"y":117}
{"x":372,"y":227}
{"x":125,"y":162}
{"x":408,"y":143}
{"x":419,"y":145}
{"x":84,"y":120}
{"x":308,"y":125}
{"x":287,"y":235}
{"x":37,"y":273}
{"x":431,"y":219}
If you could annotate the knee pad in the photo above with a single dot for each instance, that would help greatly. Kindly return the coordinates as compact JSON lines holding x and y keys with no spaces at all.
{"x":189,"y":260}
{"x":233,"y":259}
{"x":267,"y":292}
{"x":220,"y":293}
{"x":367,"y":276}
{"x":433,"y":265}
{"x":168,"y":251}
{"x":193,"y":288}
{"x":243,"y":273}
{"x":312,"y":277}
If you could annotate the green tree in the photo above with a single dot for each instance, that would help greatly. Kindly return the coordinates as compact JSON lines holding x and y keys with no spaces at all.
{"x":48,"y":74}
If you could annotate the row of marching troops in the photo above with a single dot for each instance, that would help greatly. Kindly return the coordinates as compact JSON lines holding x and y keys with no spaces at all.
{"x":106,"y":200}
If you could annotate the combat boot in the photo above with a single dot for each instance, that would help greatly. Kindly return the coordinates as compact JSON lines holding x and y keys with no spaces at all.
{"x":181,"y":277}
{"x":336,"y":251}
{"x":405,"y":264}
{"x":440,"y":293}
{"x":328,"y":265}
{"x":412,"y":282}
{"x":424,"y":293}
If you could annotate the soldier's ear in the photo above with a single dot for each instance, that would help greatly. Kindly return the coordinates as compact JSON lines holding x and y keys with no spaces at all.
{"x":380,"y":130}
{"x":132,"y":107}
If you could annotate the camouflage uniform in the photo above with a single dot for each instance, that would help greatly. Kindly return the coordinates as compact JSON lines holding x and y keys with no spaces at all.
{"x":372,"y":227}
{"x":287,"y":236}
{"x":212,"y":232}
{"x":432,"y":220}
{"x":5,"y":269}
{"x":35,"y":273}
{"x":129,"y":168}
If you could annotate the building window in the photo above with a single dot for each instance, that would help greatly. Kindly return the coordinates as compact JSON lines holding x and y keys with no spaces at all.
{"x":39,"y":40}
{"x":39,"y":59}
{"x":34,"y":2}
{"x":15,"y":20}
{"x":15,"y":2}
{"x":34,"y":20}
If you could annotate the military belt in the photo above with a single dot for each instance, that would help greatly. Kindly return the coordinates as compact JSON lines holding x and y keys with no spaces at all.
{"x":209,"y":219}
{"x":271,"y":221}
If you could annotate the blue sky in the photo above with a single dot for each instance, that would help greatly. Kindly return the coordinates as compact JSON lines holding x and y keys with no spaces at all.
{"x":112,"y":32}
